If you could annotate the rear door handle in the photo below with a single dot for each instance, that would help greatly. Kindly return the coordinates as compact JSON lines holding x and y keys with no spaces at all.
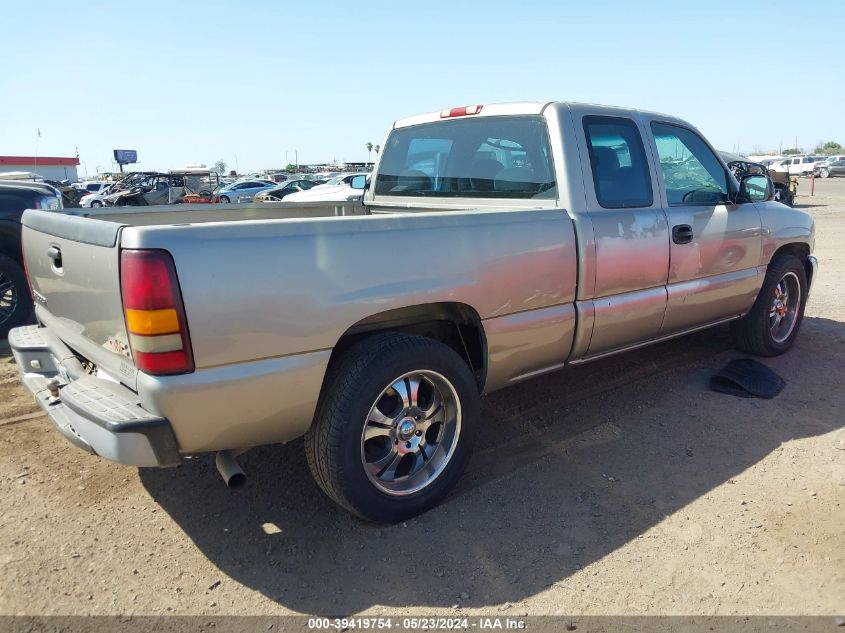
{"x":682,"y":234}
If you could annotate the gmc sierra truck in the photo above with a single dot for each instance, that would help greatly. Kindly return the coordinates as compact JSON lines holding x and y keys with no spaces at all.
{"x":492,"y":244}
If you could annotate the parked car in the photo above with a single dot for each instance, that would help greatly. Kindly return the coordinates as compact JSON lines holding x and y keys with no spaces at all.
{"x":337,"y":189}
{"x":824,"y":167}
{"x":835,"y":166}
{"x":280,"y":192}
{"x":244,"y":190}
{"x":478,"y":258}
{"x":796,"y":165}
{"x":95,"y":200}
{"x":92,"y":186}
{"x":15,"y":197}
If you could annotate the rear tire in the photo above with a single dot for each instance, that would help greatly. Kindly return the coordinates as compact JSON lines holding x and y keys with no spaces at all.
{"x":15,"y":299}
{"x":364,"y":447}
{"x":772,"y":325}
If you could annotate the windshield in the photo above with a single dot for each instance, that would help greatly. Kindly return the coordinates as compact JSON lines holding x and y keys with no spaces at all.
{"x":489,"y":157}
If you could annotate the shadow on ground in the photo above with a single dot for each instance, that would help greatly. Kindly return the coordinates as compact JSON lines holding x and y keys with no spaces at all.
{"x":537,"y":503}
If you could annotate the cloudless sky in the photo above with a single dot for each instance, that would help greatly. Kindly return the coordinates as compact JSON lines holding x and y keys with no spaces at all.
{"x":249,"y":82}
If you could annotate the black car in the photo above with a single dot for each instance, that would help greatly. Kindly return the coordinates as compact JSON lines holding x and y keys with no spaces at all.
{"x":15,"y":197}
{"x":278,"y":193}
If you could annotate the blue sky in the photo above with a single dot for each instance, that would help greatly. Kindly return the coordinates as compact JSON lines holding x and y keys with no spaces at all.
{"x":250,"y":82}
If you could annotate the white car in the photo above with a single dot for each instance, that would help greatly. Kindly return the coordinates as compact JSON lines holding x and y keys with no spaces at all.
{"x":92,"y":186}
{"x":797,"y":165}
{"x":95,"y":200}
{"x":337,"y":189}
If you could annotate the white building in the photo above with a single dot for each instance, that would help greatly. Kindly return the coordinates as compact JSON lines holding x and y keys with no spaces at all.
{"x":48,"y":167}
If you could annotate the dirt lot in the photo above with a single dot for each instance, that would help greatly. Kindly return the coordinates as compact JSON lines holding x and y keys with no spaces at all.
{"x":624,"y":486}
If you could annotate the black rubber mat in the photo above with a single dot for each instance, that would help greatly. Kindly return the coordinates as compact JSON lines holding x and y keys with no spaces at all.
{"x":747,"y":378}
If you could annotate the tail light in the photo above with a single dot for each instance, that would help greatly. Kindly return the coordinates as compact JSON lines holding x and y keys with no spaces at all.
{"x":154,"y":313}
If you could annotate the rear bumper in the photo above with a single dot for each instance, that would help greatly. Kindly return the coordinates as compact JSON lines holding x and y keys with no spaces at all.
{"x":97,"y":415}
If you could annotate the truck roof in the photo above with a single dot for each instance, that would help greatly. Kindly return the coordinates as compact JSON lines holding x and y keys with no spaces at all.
{"x":525,"y":108}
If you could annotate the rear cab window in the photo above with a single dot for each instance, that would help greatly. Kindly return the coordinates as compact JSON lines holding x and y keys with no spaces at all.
{"x":487,"y":157}
{"x":618,"y":162}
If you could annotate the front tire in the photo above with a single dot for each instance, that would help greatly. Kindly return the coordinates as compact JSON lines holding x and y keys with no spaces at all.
{"x":225,"y":199}
{"x":15,"y":300}
{"x":824,"y":173}
{"x":772,"y":325}
{"x":394,"y":426}
{"x":96,"y":204}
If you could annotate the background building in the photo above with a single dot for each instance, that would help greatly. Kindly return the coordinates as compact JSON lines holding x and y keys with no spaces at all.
{"x":48,"y":167}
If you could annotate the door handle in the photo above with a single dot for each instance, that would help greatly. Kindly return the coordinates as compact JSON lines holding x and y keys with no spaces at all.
{"x":682,"y":234}
{"x":55,"y":253}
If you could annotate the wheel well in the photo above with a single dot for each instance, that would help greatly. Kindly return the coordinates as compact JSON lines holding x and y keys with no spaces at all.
{"x":454,"y":324}
{"x":799,"y":250}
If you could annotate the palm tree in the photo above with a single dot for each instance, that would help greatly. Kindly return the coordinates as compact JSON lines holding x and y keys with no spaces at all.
{"x":369,"y":147}
{"x":377,"y":148}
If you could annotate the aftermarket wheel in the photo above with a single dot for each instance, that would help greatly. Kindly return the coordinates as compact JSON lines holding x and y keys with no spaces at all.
{"x":15,"y":300}
{"x":394,"y":427}
{"x":772,"y":324}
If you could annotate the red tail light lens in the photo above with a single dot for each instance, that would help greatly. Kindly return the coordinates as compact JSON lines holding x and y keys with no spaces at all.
{"x":462,"y":111}
{"x":154,"y":313}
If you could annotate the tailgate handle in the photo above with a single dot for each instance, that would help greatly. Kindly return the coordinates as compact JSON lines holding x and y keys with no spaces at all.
{"x":55,"y":253}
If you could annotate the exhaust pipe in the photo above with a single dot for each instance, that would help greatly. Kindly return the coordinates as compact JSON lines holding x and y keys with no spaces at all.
{"x":230,"y":469}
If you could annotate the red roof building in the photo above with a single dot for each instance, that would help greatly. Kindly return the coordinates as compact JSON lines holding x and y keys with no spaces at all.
{"x":48,"y":167}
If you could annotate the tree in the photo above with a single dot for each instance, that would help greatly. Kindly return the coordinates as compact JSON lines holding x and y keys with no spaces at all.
{"x":790,"y":152}
{"x":290,"y":167}
{"x":369,"y":147}
{"x":376,"y":149}
{"x":831,"y":147}
{"x":220,"y":166}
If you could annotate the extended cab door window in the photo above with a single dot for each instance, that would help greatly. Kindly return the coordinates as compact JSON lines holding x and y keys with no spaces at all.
{"x":617,"y":158}
{"x":691,"y":172}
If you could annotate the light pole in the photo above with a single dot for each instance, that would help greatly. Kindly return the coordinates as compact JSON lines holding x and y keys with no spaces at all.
{"x":296,"y":156}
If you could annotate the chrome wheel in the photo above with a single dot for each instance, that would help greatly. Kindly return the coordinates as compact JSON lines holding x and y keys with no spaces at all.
{"x":783,"y":314}
{"x":8,"y":297}
{"x":411,"y":432}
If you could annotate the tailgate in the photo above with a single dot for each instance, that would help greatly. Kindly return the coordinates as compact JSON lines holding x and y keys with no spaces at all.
{"x":73,"y":267}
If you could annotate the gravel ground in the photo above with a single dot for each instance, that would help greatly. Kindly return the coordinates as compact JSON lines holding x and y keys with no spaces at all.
{"x":623,"y":486}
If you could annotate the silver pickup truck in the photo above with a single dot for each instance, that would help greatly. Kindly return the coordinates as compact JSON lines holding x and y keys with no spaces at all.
{"x":492,"y":244}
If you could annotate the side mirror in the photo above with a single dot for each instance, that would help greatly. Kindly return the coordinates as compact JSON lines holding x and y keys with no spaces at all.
{"x":755,"y":188}
{"x":359,"y":182}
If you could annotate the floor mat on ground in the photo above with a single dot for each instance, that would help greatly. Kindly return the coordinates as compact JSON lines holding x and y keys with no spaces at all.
{"x":747,"y":378}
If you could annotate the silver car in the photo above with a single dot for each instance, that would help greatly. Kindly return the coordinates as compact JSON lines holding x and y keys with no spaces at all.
{"x":244,"y":190}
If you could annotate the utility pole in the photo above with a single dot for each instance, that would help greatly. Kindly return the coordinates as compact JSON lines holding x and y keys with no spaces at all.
{"x":296,"y":155}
